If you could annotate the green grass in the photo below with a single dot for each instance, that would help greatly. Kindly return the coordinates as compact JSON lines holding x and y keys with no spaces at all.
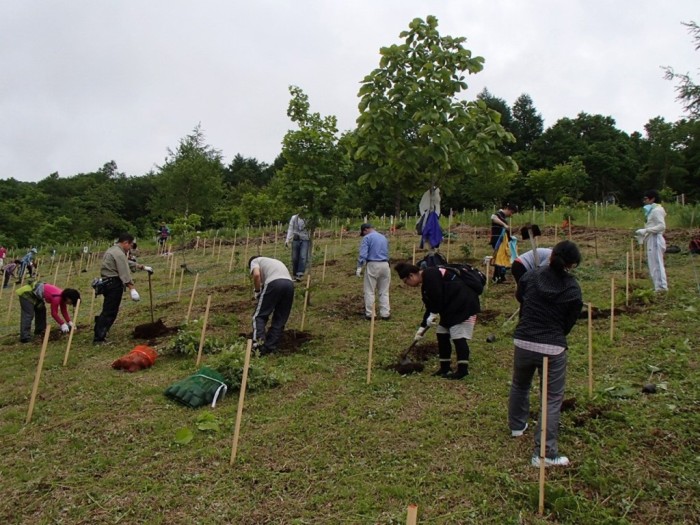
{"x":325,"y":446}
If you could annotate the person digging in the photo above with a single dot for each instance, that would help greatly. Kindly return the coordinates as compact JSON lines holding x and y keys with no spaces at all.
{"x":445,"y":294}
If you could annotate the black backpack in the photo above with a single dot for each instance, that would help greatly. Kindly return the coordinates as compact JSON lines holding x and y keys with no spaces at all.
{"x":431,"y":260}
{"x":471,"y":276}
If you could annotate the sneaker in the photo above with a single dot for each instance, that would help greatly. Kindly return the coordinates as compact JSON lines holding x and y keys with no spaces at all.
{"x":558,"y":461}
{"x":518,"y":433}
{"x":385,"y":318}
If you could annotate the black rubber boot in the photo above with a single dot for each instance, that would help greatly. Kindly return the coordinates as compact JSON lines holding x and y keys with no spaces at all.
{"x":462,"y":349}
{"x":444,"y":353}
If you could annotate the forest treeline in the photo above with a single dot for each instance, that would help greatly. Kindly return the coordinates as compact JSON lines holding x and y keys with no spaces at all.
{"x":415,"y":130}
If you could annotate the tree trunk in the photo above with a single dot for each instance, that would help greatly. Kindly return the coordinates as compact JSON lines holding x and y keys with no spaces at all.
{"x":397,"y":203}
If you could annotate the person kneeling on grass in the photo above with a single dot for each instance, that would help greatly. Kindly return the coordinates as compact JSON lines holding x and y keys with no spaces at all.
{"x":33,"y":299}
{"x":550,"y":303}
{"x":445,"y":294}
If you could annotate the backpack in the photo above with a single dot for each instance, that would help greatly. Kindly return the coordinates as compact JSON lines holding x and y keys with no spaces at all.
{"x":471,"y":276}
{"x":431,"y":260}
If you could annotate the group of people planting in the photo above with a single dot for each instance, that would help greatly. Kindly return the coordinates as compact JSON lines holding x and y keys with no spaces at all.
{"x":549,"y":296}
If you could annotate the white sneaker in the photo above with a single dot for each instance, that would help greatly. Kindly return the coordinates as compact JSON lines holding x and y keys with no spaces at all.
{"x":518,"y":433}
{"x":559,"y":461}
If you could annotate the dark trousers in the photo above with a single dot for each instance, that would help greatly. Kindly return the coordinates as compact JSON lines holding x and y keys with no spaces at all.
{"x":525,"y":363}
{"x":110,"y":308}
{"x":6,"y":282}
{"x":275,"y":299}
{"x":31,"y":309}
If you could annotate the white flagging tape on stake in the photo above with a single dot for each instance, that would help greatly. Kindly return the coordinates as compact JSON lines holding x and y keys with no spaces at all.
{"x":241,"y":398}
{"x":37,"y":376}
{"x":543,"y":434}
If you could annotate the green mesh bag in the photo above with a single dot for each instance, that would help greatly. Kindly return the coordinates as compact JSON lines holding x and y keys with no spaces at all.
{"x":202,"y":388}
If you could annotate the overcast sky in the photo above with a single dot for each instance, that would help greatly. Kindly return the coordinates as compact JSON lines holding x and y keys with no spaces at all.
{"x":83,"y":82}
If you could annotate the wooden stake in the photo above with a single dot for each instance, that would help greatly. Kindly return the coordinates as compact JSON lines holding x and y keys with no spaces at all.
{"x":55,"y":274}
{"x":590,"y":350}
{"x":233,"y":253}
{"x":569,"y":224}
{"x":634,"y":273}
{"x":10,"y":302}
{"x":306,"y":302}
{"x":37,"y":376}
{"x":179,"y":289}
{"x":412,"y":515}
{"x":72,"y":331}
{"x":612,"y":308}
{"x":414,"y":254}
{"x":204,"y":332}
{"x":627,"y":279}
{"x":221,"y":245}
{"x":371,"y":345}
{"x":194,"y":289}
{"x":543,"y":432}
{"x":241,"y":398}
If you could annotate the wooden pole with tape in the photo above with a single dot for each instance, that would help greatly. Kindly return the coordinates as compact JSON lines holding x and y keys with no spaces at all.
{"x":241,"y":398}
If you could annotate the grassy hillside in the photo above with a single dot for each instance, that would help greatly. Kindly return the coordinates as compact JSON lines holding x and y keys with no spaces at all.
{"x":325,"y":447}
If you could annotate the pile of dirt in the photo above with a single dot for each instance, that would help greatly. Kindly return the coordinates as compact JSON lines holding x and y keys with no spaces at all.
{"x":290,"y":343}
{"x":152,"y":330}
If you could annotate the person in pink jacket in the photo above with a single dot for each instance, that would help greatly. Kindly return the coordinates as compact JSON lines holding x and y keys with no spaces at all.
{"x":33,"y":299}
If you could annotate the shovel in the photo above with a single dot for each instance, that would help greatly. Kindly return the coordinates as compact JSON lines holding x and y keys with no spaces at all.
{"x":532,"y":232}
{"x":405,"y":365}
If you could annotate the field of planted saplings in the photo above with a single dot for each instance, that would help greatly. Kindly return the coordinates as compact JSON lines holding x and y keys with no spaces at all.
{"x":331,"y":429}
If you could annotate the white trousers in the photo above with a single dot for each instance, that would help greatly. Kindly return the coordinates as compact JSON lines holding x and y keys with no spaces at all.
{"x":656,"y":247}
{"x":377,"y":277}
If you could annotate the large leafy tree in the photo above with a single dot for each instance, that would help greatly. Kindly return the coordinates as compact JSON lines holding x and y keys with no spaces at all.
{"x":316,"y":165}
{"x":190,"y":180}
{"x":527,"y":125}
{"x":564,"y":182}
{"x":688,"y":91}
{"x":413,"y":129}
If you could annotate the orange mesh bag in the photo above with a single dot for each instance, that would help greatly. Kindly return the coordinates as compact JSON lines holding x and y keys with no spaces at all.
{"x":140,"y":357}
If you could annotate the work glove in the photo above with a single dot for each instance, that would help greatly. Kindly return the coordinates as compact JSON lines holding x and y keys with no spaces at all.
{"x":256,"y":295}
{"x":639,"y":235}
{"x":431,"y":320}
{"x":65,"y":328}
{"x":135,"y":295}
{"x":358,"y":272}
{"x":149,"y":269}
{"x":286,"y":244}
{"x":71,"y":324}
{"x":419,"y":334}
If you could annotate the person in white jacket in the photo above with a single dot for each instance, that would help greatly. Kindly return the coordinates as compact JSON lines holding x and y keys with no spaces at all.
{"x":653,"y":235}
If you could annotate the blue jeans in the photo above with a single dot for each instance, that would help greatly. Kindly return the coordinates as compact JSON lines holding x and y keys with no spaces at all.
{"x":300,"y":256}
{"x":525,"y":363}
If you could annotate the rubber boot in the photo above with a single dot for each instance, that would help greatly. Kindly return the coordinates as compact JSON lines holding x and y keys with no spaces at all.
{"x":444,"y":353}
{"x":462,"y":349}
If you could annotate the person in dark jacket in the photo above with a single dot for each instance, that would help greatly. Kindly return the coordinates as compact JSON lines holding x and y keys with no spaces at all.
{"x":550,"y":303}
{"x":444,"y":293}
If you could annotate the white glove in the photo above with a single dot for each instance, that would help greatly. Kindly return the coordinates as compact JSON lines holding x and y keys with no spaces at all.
{"x":430,"y":321}
{"x":149,"y":269}
{"x":419,"y":334}
{"x":71,"y":324}
{"x":256,"y":295}
{"x":135,"y":295}
{"x":639,"y":235}
{"x":358,"y":272}
{"x":64,"y":328}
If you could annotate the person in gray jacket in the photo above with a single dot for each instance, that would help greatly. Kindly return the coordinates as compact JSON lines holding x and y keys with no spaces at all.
{"x":550,"y":303}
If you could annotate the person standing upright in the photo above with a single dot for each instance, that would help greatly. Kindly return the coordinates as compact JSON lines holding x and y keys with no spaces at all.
{"x":116,"y":276}
{"x":374,"y":253}
{"x":274,"y":292}
{"x":298,"y":235}
{"x":500,"y":231}
{"x":653,"y":235}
